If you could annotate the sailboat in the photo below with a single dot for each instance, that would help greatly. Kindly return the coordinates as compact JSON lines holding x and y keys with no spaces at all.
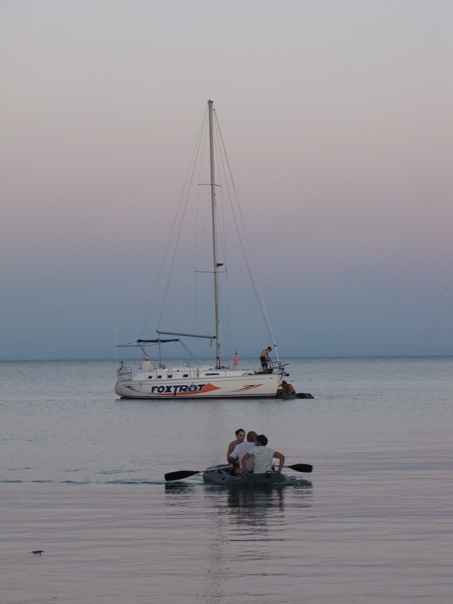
{"x":157,"y":380}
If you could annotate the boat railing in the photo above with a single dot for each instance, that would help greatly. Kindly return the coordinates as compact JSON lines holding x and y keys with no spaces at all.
{"x":124,"y":373}
{"x":273,"y":367}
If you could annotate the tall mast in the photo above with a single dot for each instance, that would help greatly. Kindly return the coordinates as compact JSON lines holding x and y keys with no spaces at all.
{"x":214,"y":237}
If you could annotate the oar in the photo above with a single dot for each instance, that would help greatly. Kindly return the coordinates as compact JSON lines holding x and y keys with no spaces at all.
{"x":301,"y":467}
{"x":181,"y":474}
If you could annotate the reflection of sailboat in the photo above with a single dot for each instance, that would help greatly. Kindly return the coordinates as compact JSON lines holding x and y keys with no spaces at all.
{"x":158,"y":381}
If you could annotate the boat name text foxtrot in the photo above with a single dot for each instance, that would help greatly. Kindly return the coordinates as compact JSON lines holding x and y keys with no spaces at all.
{"x":175,"y":389}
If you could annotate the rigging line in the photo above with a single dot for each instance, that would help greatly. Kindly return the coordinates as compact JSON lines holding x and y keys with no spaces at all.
{"x":203,"y":222}
{"x":199,"y":233}
{"x":221,"y":173}
{"x":157,"y":282}
{"x":260,"y":297}
{"x":174,"y":252}
{"x":185,"y":190}
{"x":223,"y":274}
{"x":224,"y":299}
{"x":225,"y":324}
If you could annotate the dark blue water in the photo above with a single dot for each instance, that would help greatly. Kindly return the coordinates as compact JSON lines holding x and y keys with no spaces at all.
{"x":81,"y":478}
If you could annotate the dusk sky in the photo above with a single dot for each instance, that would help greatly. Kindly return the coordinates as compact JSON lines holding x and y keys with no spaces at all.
{"x":338,"y":122}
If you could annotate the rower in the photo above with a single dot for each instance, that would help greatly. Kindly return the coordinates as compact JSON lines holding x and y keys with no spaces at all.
{"x":241,"y":449}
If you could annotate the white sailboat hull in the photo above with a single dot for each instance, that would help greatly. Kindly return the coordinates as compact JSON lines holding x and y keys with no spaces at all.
{"x":197,"y":384}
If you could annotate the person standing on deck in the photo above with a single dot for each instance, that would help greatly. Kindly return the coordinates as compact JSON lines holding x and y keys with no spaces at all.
{"x":265,"y":360}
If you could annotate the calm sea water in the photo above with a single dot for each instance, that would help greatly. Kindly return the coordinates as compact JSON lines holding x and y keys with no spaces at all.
{"x":81,"y":478}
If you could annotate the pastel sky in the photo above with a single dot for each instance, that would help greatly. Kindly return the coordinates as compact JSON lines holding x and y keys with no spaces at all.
{"x":338,"y":121}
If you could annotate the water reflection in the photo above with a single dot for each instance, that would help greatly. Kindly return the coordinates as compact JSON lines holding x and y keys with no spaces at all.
{"x":256,"y":506}
{"x":243,"y":505}
{"x":247,"y":524}
{"x":179,"y":493}
{"x":253,"y":506}
{"x":225,"y":524}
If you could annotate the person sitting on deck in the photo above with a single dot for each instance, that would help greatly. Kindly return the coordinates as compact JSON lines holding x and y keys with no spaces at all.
{"x":263,"y":457}
{"x":241,"y":449}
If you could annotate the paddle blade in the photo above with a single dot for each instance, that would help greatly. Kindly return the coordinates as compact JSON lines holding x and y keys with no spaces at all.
{"x":301,"y":467}
{"x":181,"y":474}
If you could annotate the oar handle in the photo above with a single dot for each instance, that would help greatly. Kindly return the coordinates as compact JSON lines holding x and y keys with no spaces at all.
{"x":181,"y":474}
